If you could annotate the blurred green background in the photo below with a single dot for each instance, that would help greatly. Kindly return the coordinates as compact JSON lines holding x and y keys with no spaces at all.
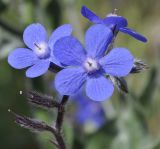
{"x":133,"y":120}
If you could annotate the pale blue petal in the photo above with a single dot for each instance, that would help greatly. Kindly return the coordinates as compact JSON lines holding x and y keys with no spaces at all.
{"x":69,"y":80}
{"x":62,"y":31}
{"x":69,"y":51}
{"x":98,"y":88}
{"x":97,"y":39}
{"x":34,"y":34}
{"x":38,"y":69}
{"x":118,"y":62}
{"x":90,"y":15}
{"x":22,"y":58}
{"x":55,"y":61}
{"x":133,"y":33}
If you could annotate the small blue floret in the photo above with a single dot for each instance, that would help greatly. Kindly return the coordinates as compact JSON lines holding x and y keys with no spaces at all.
{"x":39,"y":52}
{"x":118,"y":23}
{"x":89,"y":67}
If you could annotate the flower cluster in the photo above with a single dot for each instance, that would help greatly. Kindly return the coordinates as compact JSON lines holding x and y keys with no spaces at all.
{"x":90,"y":67}
{"x":94,"y":68}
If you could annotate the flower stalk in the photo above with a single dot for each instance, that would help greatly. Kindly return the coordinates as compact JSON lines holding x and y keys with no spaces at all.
{"x":40,"y":126}
{"x":61,"y":111}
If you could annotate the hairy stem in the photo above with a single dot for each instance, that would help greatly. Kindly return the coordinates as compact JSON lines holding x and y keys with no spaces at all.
{"x":59,"y":122}
{"x":60,"y":141}
{"x":47,"y":102}
{"x":61,"y":111}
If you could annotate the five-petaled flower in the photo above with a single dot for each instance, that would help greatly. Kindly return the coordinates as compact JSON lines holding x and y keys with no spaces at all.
{"x":90,"y":66}
{"x":39,"y":53}
{"x":118,"y":23}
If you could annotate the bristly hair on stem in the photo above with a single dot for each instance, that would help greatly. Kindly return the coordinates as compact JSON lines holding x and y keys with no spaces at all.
{"x":60,"y":114}
{"x":39,"y":126}
{"x":31,"y":124}
{"x":41,"y":100}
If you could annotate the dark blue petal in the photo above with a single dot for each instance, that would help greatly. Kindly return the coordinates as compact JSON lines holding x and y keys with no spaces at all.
{"x":68,"y":81}
{"x":118,"y":62}
{"x":97,"y":39}
{"x":90,"y":15}
{"x":38,"y":69}
{"x":22,"y":58}
{"x":34,"y":34}
{"x":133,"y":34}
{"x":98,"y":88}
{"x":69,"y":51}
{"x":114,"y":20}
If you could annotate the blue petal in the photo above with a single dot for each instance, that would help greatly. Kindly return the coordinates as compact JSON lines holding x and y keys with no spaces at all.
{"x":38,"y":69}
{"x":22,"y":58}
{"x":69,"y":51}
{"x":34,"y":34}
{"x":69,"y":81}
{"x":119,"y":21}
{"x":90,"y":15}
{"x":97,"y":39}
{"x":133,"y":34}
{"x":62,"y":31}
{"x":55,"y":61}
{"x":98,"y":88}
{"x":88,"y":110}
{"x":118,"y":62}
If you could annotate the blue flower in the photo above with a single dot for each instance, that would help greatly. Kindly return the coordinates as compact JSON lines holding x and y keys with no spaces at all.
{"x":39,"y":53}
{"x":88,"y":111}
{"x":113,"y":21}
{"x":90,"y":66}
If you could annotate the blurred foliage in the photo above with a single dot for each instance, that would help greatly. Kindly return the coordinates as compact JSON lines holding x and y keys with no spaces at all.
{"x":132,"y":120}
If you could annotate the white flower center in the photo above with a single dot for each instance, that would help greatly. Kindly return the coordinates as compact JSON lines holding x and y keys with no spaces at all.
{"x":41,"y":50}
{"x":91,"y":65}
{"x":111,"y":15}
